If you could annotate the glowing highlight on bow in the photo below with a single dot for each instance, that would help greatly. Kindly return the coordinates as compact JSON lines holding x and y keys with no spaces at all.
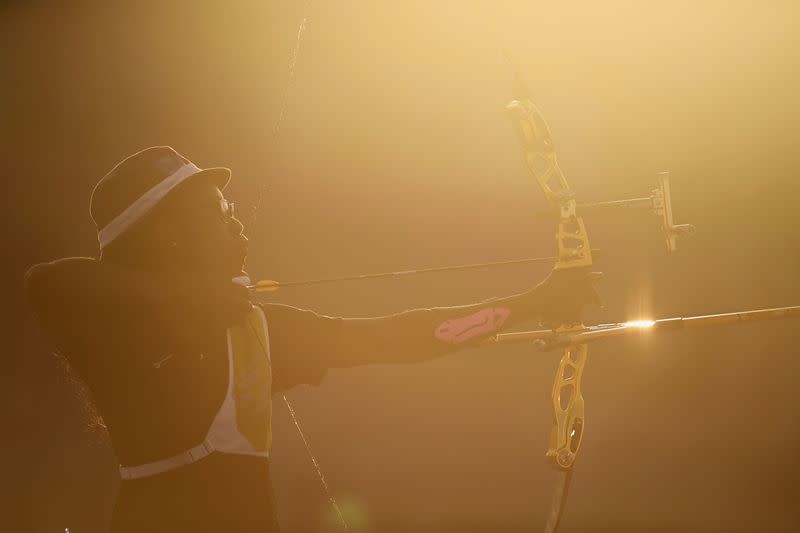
{"x":640,"y":323}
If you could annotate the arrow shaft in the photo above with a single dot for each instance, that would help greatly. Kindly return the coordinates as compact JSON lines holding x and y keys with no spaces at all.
{"x":550,"y":339}
{"x":400,"y":273}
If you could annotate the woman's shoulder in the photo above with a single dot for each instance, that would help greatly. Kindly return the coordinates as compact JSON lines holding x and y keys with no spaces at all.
{"x":53,"y":281}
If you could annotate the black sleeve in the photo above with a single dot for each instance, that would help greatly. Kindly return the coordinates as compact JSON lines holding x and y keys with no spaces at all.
{"x":304,"y":344}
{"x":67,"y":306}
{"x":301,"y":343}
{"x":90,"y":307}
{"x":422,"y":334}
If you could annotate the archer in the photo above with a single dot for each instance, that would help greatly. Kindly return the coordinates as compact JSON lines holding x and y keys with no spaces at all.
{"x":183,"y":377}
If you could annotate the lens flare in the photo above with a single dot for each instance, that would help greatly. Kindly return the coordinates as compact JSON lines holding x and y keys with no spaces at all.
{"x":640,"y":323}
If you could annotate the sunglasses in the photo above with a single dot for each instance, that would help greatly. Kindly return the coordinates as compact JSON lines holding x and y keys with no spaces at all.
{"x":228,"y":209}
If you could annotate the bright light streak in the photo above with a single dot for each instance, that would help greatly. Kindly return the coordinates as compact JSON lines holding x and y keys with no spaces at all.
{"x":640,"y":323}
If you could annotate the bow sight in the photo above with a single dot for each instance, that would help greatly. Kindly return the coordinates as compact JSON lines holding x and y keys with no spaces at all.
{"x":659,"y":202}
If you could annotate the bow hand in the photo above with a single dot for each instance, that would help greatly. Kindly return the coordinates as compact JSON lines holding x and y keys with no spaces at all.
{"x":561,"y":297}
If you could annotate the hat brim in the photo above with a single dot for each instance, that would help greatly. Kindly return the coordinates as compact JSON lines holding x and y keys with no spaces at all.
{"x":220,"y":176}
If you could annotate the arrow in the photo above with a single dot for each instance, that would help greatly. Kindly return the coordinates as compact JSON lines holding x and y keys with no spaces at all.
{"x":268,"y":285}
{"x":549,"y":339}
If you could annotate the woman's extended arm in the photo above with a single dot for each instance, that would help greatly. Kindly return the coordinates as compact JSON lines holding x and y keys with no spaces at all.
{"x":421,"y":334}
{"x":305,"y":344}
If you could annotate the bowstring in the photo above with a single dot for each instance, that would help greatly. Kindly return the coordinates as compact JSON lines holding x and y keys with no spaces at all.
{"x":287,"y":90}
{"x":276,"y":132}
{"x":320,"y":475}
{"x":293,"y":415}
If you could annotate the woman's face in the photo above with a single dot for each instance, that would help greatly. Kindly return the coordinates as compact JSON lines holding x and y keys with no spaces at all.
{"x":204,"y":230}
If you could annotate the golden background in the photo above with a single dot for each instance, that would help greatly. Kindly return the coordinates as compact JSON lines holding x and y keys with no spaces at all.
{"x":395,"y":153}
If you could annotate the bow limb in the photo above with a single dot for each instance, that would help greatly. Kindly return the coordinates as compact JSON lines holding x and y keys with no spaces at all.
{"x":536,"y":140}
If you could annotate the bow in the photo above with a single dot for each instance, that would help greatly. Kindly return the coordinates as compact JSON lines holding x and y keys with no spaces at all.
{"x":573,"y":251}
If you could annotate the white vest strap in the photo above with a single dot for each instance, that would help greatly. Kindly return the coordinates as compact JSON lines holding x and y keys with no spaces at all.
{"x":189,"y":456}
{"x":242,"y":424}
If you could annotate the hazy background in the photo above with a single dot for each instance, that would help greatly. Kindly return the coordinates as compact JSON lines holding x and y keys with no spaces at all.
{"x":395,"y":154}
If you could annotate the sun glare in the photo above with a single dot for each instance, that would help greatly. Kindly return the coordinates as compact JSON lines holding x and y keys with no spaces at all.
{"x":640,"y":323}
